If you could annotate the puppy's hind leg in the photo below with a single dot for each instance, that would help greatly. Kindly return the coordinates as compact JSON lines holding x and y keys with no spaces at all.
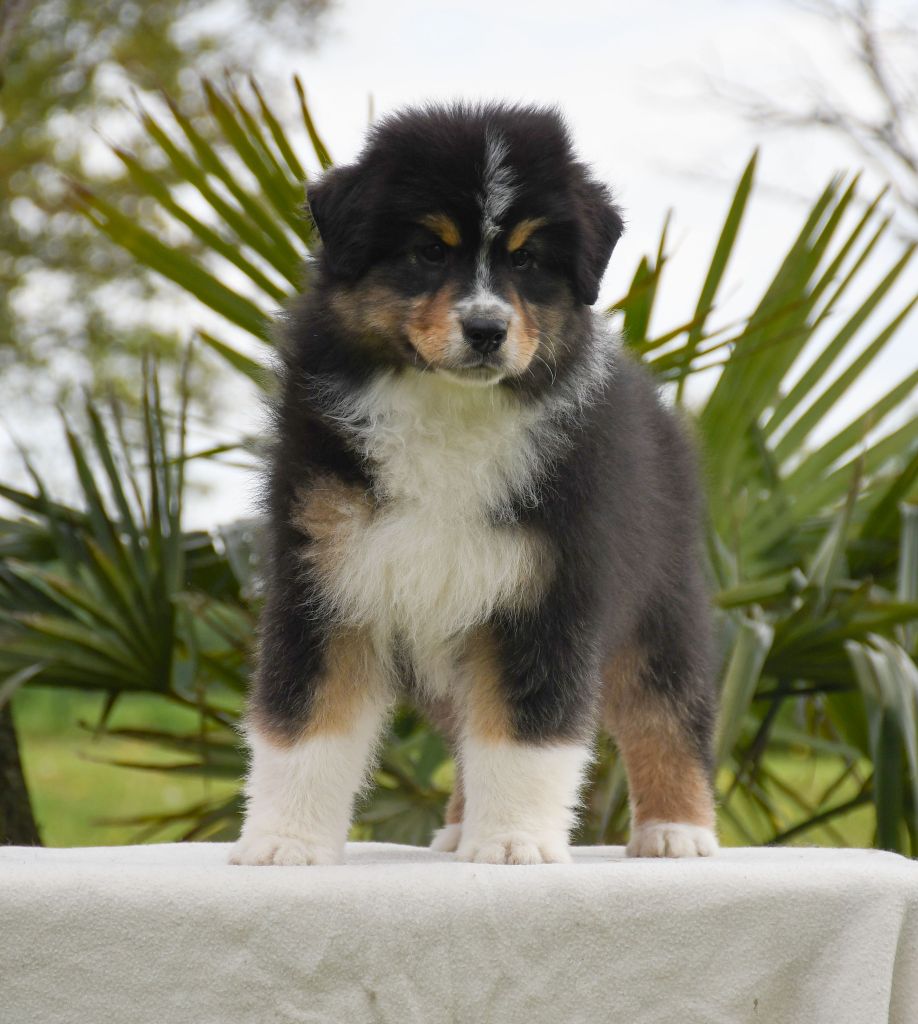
{"x":443,"y":714}
{"x":658,"y":705}
{"x":307,"y":767}
{"x":448,"y":838}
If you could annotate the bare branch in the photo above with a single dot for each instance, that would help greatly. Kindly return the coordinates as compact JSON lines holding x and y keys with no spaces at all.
{"x":887,"y":139}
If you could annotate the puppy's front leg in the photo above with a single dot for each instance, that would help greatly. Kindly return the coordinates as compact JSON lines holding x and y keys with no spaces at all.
{"x":522,"y":762}
{"x":521,"y":800}
{"x":304,"y":775}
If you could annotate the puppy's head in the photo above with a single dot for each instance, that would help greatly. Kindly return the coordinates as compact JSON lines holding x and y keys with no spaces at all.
{"x":465,"y":240}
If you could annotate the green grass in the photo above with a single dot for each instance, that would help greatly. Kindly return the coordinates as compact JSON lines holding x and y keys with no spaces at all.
{"x":804,"y":777}
{"x":76,"y":799}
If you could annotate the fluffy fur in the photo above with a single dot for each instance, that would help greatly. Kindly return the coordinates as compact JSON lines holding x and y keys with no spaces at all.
{"x":477,"y":501}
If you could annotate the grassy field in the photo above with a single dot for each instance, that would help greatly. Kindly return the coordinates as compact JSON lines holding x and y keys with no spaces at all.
{"x":805,"y":780}
{"x":78,"y":800}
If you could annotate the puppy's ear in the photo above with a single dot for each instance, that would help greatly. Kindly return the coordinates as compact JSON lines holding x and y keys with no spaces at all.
{"x":339,"y":205}
{"x":601,"y":226}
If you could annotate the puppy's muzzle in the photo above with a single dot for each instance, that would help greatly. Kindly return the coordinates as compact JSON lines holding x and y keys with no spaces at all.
{"x":484,"y":334}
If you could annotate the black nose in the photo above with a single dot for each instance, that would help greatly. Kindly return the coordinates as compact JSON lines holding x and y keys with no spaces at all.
{"x":484,"y":334}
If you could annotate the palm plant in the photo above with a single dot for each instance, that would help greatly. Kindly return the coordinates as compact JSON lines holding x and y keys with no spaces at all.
{"x":813,"y":543}
{"x":114,"y":597}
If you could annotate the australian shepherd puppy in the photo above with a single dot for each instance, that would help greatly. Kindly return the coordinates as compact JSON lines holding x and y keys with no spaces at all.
{"x":476,"y":502}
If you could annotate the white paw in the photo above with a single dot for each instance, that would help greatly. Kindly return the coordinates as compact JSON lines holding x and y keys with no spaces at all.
{"x":671,"y":839}
{"x":446,"y":839}
{"x":268,"y":848}
{"x":515,"y":848}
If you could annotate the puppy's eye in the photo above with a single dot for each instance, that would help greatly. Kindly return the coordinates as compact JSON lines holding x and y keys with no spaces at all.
{"x":433,"y":253}
{"x":521,"y":259}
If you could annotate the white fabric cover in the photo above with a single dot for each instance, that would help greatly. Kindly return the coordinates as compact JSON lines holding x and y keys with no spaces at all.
{"x":173,"y":934}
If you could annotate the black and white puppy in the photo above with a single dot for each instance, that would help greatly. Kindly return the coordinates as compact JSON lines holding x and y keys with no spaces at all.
{"x":477,"y":502}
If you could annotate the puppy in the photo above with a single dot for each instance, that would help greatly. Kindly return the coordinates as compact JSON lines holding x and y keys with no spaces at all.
{"x":477,"y":501}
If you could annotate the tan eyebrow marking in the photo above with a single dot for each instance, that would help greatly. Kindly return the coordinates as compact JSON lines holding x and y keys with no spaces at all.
{"x":443,"y":226}
{"x":520,"y":235}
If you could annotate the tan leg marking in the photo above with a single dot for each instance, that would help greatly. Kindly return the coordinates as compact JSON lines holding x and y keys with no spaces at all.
{"x":456,"y":805}
{"x":351,"y":677}
{"x":443,"y":714}
{"x":351,"y":669}
{"x":328,"y":511}
{"x":666,"y":782}
{"x":487,"y":714}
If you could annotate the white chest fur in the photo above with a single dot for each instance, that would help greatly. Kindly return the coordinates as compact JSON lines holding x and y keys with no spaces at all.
{"x":431,"y":562}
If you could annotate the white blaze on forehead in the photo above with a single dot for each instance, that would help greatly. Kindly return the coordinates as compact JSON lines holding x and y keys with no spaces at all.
{"x":499,"y":185}
{"x":498,"y":190}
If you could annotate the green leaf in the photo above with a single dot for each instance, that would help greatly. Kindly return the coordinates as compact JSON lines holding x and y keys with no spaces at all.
{"x":317,"y":144}
{"x":814,"y":465}
{"x":229,"y":250}
{"x":245,"y":135}
{"x":889,"y":682}
{"x":15,"y":680}
{"x":816,"y":372}
{"x":278,"y":134}
{"x":245,"y":221}
{"x":637,"y":305}
{"x":253,"y":207}
{"x":750,"y":649}
{"x":758,"y":591}
{"x":171,"y":264}
{"x":811,"y":417}
{"x":907,"y":574}
{"x":884,"y":513}
{"x":745,"y":386}
{"x":722,"y":252}
{"x":257,"y":373}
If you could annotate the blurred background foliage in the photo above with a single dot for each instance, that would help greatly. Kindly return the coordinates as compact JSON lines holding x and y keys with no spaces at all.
{"x":112,"y":612}
{"x":66,"y":70}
